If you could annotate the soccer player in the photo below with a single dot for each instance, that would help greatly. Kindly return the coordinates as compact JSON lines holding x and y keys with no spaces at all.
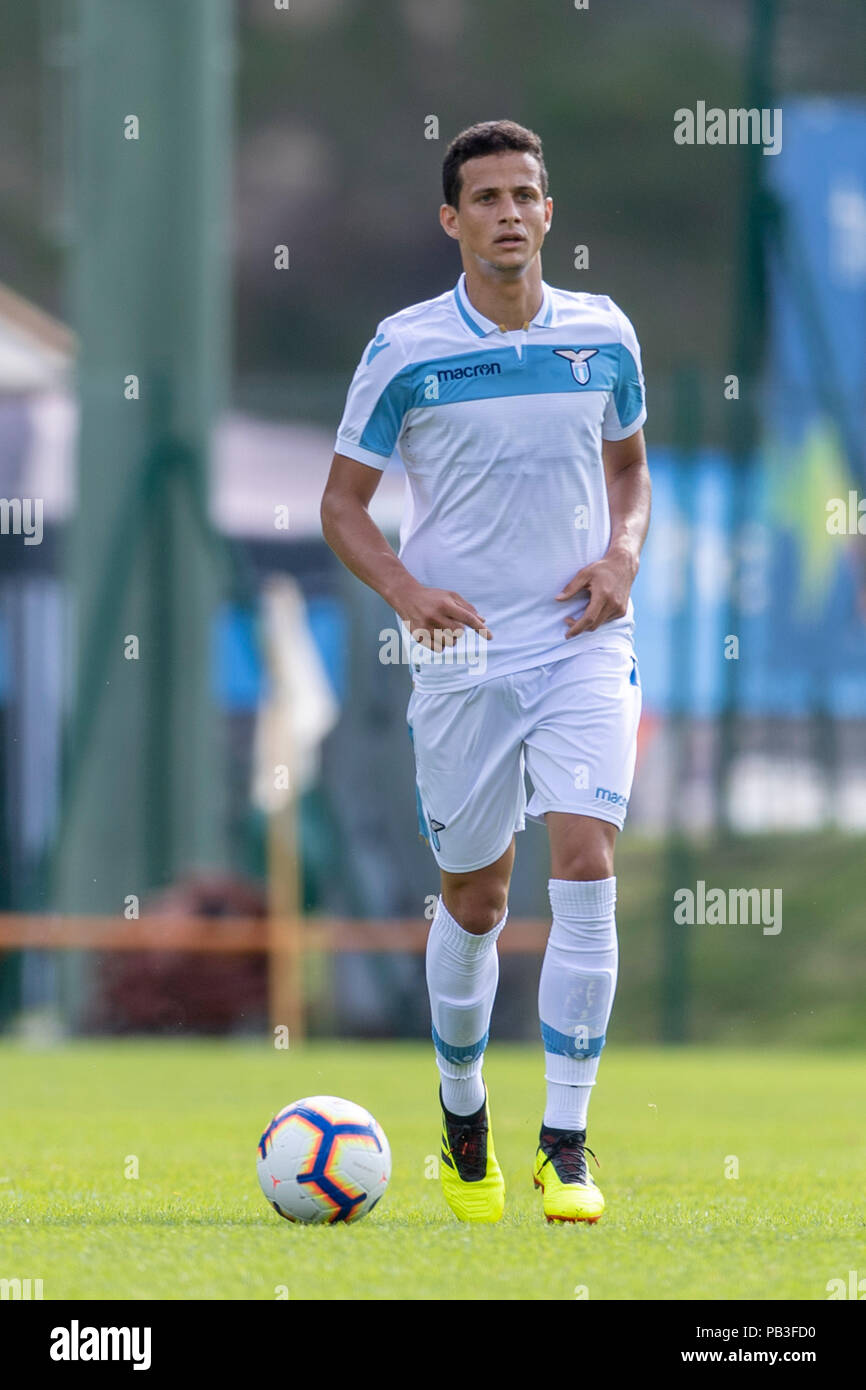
{"x":517,"y":410}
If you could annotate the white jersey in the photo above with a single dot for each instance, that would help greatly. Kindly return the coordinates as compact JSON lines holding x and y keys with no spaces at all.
{"x":500,"y":434}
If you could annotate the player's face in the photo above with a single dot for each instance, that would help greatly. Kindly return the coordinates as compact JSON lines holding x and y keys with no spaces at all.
{"x":503,"y":215}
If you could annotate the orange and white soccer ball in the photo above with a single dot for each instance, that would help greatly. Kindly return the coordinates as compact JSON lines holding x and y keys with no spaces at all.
{"x":323,"y":1159}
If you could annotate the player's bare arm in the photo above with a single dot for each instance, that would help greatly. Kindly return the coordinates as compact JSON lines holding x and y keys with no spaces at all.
{"x":609,"y":579}
{"x":435,"y":617}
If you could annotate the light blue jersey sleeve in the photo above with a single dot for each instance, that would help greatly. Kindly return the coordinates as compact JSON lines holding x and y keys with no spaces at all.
{"x":626,"y":409}
{"x":376,"y":401}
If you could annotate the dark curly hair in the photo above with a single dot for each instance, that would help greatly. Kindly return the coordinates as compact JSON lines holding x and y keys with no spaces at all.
{"x":487,"y":137}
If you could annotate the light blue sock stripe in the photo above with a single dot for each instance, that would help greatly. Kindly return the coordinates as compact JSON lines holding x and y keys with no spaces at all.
{"x":460,"y":1054}
{"x":561,"y":1043}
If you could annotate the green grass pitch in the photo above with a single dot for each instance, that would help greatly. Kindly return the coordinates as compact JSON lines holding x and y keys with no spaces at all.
{"x":667,"y":1125}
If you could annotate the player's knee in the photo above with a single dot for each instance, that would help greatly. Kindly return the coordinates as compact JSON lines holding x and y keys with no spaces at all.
{"x":586,"y":865}
{"x":477,"y":907}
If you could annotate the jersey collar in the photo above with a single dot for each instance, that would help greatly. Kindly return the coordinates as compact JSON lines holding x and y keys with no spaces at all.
{"x":481,"y":326}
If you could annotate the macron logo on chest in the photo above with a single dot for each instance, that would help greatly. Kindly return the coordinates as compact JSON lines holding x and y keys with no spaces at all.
{"x":435,"y":380}
{"x":579,"y":351}
{"x":501,"y":373}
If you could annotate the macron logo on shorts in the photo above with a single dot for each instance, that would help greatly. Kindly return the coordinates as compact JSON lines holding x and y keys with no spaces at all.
{"x":613,"y":798}
{"x":435,"y":827}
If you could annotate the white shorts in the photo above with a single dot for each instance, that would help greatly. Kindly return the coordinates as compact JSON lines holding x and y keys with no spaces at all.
{"x":571,"y":724}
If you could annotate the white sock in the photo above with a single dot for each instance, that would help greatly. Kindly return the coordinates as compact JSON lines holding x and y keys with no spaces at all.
{"x":575,"y":994}
{"x":462,"y":975}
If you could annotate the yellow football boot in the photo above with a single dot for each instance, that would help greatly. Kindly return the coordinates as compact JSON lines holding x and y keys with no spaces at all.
{"x":471,"y":1178}
{"x":560,"y":1170}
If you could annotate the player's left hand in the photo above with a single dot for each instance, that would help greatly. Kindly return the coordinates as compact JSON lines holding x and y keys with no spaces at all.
{"x":609,"y":582}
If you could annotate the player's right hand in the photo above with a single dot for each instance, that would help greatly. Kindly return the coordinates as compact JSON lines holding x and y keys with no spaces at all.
{"x":437,"y":617}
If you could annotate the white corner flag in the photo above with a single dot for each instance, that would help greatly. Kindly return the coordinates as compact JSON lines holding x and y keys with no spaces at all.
{"x":300,"y":707}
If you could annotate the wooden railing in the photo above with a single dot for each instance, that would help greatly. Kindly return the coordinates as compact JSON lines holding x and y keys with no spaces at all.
{"x":284,"y":940}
